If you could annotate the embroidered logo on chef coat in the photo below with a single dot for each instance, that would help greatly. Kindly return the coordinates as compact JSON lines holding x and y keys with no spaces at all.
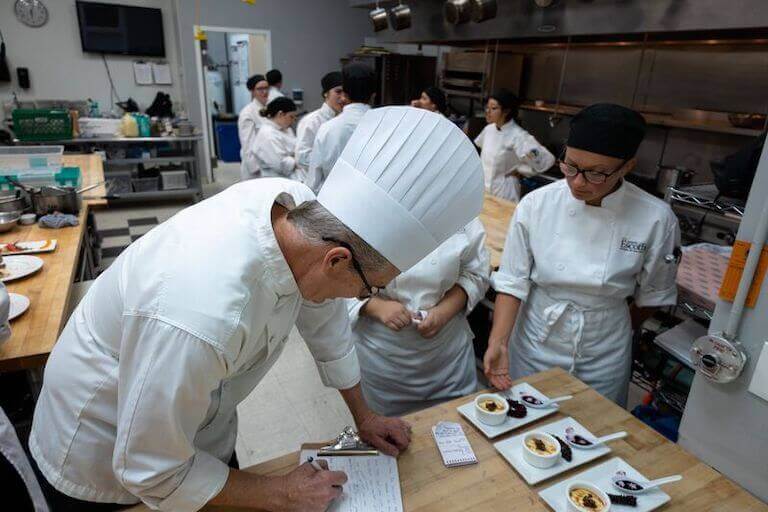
{"x":633,"y":246}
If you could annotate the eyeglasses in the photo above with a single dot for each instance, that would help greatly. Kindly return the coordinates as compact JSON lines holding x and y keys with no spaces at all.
{"x":594,"y":177}
{"x":261,"y":89}
{"x":370,"y":290}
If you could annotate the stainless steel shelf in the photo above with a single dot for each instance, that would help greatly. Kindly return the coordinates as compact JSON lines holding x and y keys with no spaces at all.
{"x":155,"y":195}
{"x":97,"y":140}
{"x":151,"y":160}
{"x":707,"y":197}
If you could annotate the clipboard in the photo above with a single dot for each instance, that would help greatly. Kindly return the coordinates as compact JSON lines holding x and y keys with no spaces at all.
{"x":374,"y":481}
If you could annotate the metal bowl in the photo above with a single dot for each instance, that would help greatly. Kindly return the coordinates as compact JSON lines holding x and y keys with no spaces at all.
{"x":8,"y":220}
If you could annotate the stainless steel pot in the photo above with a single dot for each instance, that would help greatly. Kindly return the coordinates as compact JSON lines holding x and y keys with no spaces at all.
{"x":457,"y":11}
{"x":16,"y":203}
{"x":483,"y":10}
{"x":400,"y":17}
{"x":378,"y":18}
{"x":53,"y":199}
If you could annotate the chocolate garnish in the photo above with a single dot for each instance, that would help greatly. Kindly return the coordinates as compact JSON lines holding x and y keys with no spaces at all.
{"x":516,"y":409}
{"x":623,"y":499}
{"x":589,"y":502}
{"x":565,"y":450}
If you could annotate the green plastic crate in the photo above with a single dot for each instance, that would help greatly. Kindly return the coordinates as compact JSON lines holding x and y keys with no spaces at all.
{"x":41,"y":125}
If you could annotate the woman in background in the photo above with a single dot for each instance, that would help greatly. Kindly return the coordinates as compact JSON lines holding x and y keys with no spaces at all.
{"x":432,"y":99}
{"x":275,"y":144}
{"x":413,"y":339}
{"x":508,"y":152}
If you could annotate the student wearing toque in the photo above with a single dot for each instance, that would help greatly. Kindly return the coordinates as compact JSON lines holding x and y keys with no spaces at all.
{"x":584,"y":257}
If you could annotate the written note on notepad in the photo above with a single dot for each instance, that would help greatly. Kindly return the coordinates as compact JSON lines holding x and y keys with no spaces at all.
{"x":374,"y":483}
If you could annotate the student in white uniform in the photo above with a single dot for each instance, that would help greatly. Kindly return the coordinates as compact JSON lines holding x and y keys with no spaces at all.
{"x":333,"y":101}
{"x":432,"y":99}
{"x":248,"y":122}
{"x":508,"y":151}
{"x":141,"y":390}
{"x":275,"y":143}
{"x":359,"y":84}
{"x":409,"y":364}
{"x":583,"y":257}
{"x":21,"y":490}
{"x":275,"y":81}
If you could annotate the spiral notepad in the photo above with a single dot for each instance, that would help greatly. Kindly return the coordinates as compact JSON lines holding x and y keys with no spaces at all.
{"x":453,"y":444}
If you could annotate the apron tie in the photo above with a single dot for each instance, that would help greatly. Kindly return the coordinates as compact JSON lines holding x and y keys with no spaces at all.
{"x":553,"y":314}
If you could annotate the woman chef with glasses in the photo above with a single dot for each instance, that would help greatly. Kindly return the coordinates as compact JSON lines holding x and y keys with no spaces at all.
{"x":583,"y":257}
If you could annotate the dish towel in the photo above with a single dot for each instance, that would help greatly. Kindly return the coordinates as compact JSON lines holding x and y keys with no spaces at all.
{"x":58,"y":220}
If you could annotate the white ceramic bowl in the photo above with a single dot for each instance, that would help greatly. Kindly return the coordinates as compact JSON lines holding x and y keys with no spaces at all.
{"x":536,"y":459}
{"x":572,"y":507}
{"x":495,"y":417}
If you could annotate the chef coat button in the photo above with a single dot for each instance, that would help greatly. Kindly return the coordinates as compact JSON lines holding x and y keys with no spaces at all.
{"x":571,"y":212}
{"x":560,"y":266}
{"x":434,"y":262}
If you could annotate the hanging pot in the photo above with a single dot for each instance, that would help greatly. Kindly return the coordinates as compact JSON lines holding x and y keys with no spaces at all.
{"x":400,"y":17}
{"x":457,"y":11}
{"x":378,"y":18}
{"x":483,"y":10}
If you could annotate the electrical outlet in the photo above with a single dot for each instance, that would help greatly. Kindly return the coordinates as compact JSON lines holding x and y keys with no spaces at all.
{"x":759,"y":384}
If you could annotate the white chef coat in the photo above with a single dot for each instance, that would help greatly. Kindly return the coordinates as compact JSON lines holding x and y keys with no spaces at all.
{"x":10,"y":447}
{"x":273,"y":93}
{"x":248,"y":123}
{"x":305,"y":137}
{"x":330,"y":141}
{"x":505,"y":150}
{"x":574,"y":266}
{"x":140,"y":392}
{"x":273,"y":151}
{"x":401,"y":370}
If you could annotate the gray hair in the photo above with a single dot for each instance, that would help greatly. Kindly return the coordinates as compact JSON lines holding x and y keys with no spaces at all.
{"x":316,"y":223}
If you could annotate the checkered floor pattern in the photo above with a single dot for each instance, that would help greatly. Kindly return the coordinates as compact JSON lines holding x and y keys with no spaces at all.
{"x":116,"y":240}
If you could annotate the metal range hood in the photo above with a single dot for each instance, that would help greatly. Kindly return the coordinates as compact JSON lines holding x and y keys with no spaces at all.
{"x":523,"y":19}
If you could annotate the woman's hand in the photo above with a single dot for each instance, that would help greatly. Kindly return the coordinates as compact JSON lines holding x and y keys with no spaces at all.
{"x":389,"y":312}
{"x":436,"y":319}
{"x":496,"y":365}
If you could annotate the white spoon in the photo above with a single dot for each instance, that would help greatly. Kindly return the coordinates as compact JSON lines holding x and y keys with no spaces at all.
{"x":627,"y":484}
{"x":586,"y":441}
{"x":537,"y":403}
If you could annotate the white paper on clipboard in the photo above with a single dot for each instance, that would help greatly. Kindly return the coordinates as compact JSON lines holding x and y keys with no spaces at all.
{"x":374,"y":482}
{"x":161,"y":73}
{"x":142,"y":73}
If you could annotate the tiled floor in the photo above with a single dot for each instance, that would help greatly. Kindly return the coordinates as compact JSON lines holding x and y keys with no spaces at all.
{"x":268,"y":427}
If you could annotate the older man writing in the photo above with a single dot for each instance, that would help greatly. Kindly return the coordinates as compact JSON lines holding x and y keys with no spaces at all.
{"x":139,"y":397}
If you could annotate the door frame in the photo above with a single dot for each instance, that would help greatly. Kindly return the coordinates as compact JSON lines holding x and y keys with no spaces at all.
{"x":202,"y":83}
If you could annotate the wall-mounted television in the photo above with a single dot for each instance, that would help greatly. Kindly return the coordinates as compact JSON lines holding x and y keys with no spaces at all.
{"x":121,"y":29}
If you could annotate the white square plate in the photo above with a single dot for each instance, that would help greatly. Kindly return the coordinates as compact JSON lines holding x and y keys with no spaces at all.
{"x":600,"y":476}
{"x":512,"y":450}
{"x":491,"y":431}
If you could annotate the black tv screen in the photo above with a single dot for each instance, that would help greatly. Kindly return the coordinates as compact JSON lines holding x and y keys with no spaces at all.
{"x":121,"y":29}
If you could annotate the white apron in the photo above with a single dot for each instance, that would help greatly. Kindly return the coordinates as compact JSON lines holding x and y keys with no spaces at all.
{"x":403,"y":371}
{"x":587,"y":335}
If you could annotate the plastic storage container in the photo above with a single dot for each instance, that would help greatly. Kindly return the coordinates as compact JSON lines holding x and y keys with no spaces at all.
{"x":42,"y":159}
{"x":66,"y":177}
{"x":41,"y":124}
{"x":174,"y":180}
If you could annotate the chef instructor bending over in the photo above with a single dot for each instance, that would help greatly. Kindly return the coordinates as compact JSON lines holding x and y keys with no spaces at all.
{"x":140,"y":392}
{"x":577,"y":252}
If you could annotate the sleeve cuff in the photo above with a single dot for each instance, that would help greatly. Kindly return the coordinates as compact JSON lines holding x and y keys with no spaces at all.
{"x":473,"y":291}
{"x":342,"y":373}
{"x":204,"y":480}
{"x":354,"y":307}
{"x":511,"y":285}
{"x":656,"y":298}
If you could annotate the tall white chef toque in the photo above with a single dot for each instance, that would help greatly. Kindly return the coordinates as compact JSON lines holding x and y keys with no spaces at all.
{"x":407,"y":180}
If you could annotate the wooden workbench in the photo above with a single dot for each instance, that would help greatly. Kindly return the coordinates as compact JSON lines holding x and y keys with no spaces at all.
{"x":493,"y":485}
{"x":495,"y":217}
{"x":35,"y":332}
